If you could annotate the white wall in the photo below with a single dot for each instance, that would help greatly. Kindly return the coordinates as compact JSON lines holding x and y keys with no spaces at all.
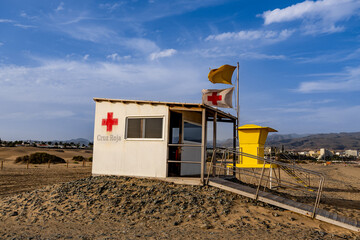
{"x":140,"y":157}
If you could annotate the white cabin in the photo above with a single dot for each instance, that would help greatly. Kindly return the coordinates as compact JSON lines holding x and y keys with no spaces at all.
{"x":153,"y":139}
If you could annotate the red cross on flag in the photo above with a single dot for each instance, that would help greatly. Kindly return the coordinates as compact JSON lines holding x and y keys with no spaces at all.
{"x":218,"y":97}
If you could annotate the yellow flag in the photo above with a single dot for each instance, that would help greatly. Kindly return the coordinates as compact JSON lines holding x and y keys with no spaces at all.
{"x":222,"y":74}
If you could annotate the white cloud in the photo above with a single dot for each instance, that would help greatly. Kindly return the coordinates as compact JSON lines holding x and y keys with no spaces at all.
{"x":86,"y":57}
{"x":252,"y":35}
{"x":23,"y":26}
{"x":162,"y":54}
{"x":336,"y":56}
{"x":60,"y":7}
{"x":89,"y":33}
{"x":346,"y":117}
{"x":140,"y":44}
{"x":310,"y":119}
{"x":116,"y":57}
{"x":254,"y":55}
{"x":6,"y":21}
{"x":69,"y":82}
{"x":111,"y":7}
{"x":1,"y":43}
{"x":25,"y":15}
{"x":347,"y":81}
{"x":14,"y":23}
{"x":162,"y":9}
{"x":217,"y":52}
{"x":317,"y":16}
{"x":104,"y":35}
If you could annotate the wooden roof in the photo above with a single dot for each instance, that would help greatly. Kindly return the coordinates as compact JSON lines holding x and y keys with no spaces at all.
{"x":175,"y":105}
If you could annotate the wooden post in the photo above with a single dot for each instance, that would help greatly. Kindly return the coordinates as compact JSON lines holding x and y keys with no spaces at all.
{"x":84,"y":162}
{"x":2,"y":164}
{"x":27,"y":164}
{"x":67,"y":163}
{"x":203,"y":145}
{"x":49,"y":164}
{"x":214,"y":142}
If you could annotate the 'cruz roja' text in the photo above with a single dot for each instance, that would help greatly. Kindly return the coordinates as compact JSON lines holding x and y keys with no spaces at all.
{"x":111,"y":138}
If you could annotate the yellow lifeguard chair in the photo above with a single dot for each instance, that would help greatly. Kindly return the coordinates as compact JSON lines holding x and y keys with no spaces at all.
{"x":252,"y":139}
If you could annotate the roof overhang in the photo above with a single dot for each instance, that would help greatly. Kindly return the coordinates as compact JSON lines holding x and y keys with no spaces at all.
{"x":173,"y":106}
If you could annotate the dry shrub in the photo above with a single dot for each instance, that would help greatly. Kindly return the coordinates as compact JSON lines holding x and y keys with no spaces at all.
{"x":39,"y":158}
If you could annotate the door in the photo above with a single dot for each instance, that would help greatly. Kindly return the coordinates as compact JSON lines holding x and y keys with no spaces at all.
{"x":191,"y":135}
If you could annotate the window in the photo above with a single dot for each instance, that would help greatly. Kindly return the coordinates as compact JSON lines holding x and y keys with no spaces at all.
{"x":192,"y":132}
{"x":144,"y":128}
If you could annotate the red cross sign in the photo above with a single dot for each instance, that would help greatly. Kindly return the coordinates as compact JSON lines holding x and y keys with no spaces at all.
{"x":214,"y":98}
{"x":109,"y":122}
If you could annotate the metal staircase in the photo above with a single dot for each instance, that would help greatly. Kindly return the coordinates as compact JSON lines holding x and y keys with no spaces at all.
{"x":223,"y":174}
{"x":299,"y":177}
{"x":294,"y":175}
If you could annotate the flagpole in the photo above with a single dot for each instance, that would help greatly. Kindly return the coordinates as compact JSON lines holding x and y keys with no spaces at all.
{"x":238,"y":101}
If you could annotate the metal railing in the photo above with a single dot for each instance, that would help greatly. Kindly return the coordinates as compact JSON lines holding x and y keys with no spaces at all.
{"x":301,"y":175}
{"x":224,"y":167}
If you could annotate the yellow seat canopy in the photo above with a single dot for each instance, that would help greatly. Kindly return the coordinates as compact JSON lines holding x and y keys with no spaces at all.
{"x":253,"y":126}
{"x":252,"y":139}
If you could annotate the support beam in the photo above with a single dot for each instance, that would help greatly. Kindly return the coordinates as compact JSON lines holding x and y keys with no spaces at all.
{"x":214,"y":142}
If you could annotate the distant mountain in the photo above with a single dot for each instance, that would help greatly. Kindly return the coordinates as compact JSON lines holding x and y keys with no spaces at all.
{"x":333,"y":141}
{"x":272,"y":137}
{"x":225,"y":143}
{"x":279,"y":137}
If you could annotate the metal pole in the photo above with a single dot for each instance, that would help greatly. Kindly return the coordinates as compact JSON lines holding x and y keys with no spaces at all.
{"x":261,"y":177}
{"x":318,"y":196}
{"x":203,"y":144}
{"x":237,"y":112}
{"x":234,"y":148}
{"x":238,"y":98}
{"x":271,"y":173}
{"x":214,"y":141}
{"x":279,"y":176}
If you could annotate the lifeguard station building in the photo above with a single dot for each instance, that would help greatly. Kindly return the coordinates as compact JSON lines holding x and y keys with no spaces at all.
{"x":153,"y":139}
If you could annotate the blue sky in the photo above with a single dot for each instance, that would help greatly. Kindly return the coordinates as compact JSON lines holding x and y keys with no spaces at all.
{"x":299,"y":60}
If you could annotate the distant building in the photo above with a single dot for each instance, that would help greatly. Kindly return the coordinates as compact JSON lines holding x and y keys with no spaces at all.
{"x":267,"y":149}
{"x":351,"y":153}
{"x":324,"y":153}
{"x":304,"y":153}
{"x":340,"y":154}
{"x":40,"y":145}
{"x":313,"y":153}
